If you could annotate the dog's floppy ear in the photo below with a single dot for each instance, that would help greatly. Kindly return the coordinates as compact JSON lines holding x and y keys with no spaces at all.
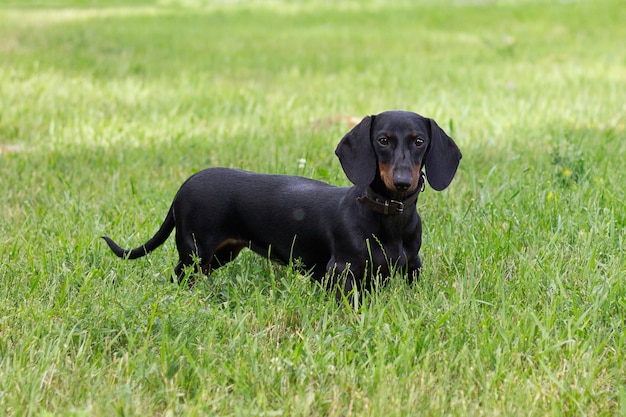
{"x":356,"y":154}
{"x":442,"y":158}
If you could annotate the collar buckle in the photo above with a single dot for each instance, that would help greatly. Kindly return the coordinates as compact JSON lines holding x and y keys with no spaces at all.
{"x":398,"y":206}
{"x":380,"y":204}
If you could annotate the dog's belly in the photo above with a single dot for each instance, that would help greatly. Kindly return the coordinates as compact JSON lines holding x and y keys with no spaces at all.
{"x":309,"y":254}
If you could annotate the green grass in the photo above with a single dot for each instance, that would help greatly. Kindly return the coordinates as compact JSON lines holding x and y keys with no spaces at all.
{"x":105,"y":108}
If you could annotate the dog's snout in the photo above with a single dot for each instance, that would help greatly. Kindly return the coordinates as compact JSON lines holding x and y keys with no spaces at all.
{"x":402,"y":186}
{"x":402,"y":181}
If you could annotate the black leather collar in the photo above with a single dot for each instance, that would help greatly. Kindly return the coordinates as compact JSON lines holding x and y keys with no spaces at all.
{"x":386,"y":206}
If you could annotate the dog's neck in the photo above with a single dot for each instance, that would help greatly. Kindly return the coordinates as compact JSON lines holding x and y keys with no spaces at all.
{"x":383,"y":204}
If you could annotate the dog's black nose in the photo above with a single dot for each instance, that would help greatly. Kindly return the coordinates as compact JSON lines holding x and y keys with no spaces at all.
{"x":402,"y":178}
{"x":402,"y":185}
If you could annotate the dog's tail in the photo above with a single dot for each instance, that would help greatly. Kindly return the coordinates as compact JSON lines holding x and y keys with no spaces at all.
{"x":157,"y":240}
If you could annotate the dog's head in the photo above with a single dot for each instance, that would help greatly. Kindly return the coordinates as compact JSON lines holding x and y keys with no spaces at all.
{"x":393,"y":146}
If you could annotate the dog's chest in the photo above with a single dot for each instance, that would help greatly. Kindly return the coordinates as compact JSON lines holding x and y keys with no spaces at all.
{"x":395,"y":243}
{"x":382,"y":253}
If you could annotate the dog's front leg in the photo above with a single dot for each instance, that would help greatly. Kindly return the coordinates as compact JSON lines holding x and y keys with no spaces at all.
{"x":414,"y":267}
{"x":345,"y":278}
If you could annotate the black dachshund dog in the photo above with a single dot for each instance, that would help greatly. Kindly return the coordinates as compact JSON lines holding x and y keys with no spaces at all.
{"x":348,"y":235}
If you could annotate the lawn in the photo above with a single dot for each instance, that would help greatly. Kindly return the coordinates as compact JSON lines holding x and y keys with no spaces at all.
{"x":106,"y":107}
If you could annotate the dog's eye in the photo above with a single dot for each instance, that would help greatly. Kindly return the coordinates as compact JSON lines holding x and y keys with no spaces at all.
{"x":383,"y":141}
{"x":419,"y":142}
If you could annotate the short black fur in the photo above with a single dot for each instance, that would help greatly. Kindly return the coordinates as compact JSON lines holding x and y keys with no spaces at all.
{"x":338,"y":233}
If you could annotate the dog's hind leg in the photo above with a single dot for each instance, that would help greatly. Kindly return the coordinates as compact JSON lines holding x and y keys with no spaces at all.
{"x":226,"y":251}
{"x":191,"y":255}
{"x":205,"y":256}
